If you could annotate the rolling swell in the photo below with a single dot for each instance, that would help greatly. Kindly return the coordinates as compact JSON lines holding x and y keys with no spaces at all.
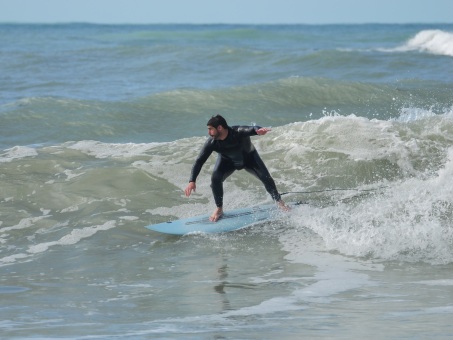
{"x":182,"y":113}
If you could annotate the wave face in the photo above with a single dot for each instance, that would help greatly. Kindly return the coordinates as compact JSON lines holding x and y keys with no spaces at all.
{"x":405,"y":161}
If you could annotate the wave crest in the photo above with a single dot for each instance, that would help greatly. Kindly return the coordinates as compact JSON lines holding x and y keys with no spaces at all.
{"x":432,"y":41}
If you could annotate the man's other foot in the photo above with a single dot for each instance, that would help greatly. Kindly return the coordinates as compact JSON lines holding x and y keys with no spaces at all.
{"x":216,"y":215}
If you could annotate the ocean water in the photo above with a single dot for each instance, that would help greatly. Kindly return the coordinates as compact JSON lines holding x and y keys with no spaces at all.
{"x":99,"y":128}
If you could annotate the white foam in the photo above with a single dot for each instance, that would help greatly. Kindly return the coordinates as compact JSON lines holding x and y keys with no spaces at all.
{"x":129,"y":218}
{"x":407,"y":221}
{"x":70,"y":174}
{"x":12,"y":258}
{"x":45,"y":211}
{"x":409,"y":114}
{"x":446,"y":282}
{"x":17,"y":152}
{"x":72,"y":238}
{"x":371,"y":140}
{"x":24,"y":223}
{"x":114,"y":150}
{"x":436,"y":42}
{"x":70,"y":209}
{"x":432,"y":41}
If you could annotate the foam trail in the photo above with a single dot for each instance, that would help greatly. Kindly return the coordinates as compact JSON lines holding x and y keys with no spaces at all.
{"x":72,"y":238}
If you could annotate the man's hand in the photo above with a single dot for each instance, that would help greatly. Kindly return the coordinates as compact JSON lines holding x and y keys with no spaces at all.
{"x":262,"y":131}
{"x":191,"y":187}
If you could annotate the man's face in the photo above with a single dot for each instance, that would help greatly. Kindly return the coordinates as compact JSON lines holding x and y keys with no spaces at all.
{"x":213,"y":132}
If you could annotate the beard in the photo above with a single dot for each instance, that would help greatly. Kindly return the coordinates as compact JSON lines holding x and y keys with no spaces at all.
{"x":215,"y":135}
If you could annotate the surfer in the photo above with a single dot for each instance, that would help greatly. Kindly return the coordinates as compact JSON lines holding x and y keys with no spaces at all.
{"x":236,"y":152}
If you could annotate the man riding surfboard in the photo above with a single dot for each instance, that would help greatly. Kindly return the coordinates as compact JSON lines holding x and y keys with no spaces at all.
{"x":235,"y":152}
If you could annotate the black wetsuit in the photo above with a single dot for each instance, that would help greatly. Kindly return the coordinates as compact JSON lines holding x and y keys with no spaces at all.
{"x":236,"y":152}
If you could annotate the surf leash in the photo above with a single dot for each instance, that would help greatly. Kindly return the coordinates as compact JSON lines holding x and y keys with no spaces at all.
{"x":332,"y":189}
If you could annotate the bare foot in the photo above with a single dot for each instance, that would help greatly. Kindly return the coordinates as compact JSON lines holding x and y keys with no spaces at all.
{"x":282,"y":206}
{"x":216,"y":215}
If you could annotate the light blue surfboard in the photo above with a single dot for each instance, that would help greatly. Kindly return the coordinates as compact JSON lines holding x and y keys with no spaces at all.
{"x":231,"y":220}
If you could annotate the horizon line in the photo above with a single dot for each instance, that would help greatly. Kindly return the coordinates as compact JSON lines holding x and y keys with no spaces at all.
{"x":217,"y":23}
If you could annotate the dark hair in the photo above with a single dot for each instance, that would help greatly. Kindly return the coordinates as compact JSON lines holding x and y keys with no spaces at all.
{"x":217,"y":121}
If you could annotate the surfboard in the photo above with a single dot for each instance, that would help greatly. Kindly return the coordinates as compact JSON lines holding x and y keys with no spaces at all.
{"x":231,"y":220}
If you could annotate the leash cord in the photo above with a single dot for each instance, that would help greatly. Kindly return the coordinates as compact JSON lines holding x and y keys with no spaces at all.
{"x":333,"y":189}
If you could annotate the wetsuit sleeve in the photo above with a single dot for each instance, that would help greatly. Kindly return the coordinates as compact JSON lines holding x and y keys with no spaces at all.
{"x":205,"y":152}
{"x":247,"y":130}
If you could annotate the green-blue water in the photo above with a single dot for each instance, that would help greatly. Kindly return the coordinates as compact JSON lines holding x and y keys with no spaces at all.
{"x":99,"y":128}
